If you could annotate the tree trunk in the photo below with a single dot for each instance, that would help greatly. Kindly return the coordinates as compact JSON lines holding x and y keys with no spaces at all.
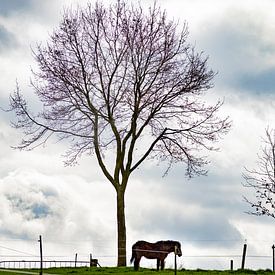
{"x":121,"y":229}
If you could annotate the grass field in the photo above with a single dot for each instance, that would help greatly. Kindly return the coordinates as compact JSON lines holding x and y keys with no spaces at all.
{"x":128,"y":270}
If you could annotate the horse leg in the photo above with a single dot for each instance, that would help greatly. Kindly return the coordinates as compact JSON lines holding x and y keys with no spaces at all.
{"x":158,"y":263}
{"x":136,"y":262}
{"x":162,"y":264}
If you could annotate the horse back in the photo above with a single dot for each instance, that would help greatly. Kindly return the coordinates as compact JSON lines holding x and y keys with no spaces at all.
{"x":141,"y":244}
{"x":149,"y":250}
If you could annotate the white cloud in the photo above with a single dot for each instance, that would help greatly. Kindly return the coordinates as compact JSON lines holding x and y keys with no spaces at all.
{"x":61,"y":208}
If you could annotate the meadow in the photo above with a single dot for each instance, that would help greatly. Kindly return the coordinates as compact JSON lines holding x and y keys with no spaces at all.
{"x":128,"y":270}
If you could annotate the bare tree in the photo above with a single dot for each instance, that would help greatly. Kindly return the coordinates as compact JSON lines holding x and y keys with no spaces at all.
{"x":122,"y":80}
{"x":262,"y":179}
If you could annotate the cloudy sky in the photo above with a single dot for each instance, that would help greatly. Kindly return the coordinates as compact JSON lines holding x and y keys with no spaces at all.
{"x":74,"y":208}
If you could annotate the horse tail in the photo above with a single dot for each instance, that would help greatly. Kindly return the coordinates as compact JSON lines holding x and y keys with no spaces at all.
{"x":134,"y":254}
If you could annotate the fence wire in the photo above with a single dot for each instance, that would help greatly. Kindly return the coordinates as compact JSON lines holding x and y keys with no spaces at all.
{"x":196,"y":254}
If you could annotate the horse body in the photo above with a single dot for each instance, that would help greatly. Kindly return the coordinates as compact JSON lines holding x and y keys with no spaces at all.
{"x":158,"y":250}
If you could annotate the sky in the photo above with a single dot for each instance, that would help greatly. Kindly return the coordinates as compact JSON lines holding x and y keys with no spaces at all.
{"x":73,"y":208}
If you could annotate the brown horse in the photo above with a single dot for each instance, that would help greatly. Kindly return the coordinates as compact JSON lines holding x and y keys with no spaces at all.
{"x":158,"y":250}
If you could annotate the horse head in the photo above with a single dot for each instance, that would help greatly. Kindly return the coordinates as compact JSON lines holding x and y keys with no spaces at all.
{"x":178,"y":249}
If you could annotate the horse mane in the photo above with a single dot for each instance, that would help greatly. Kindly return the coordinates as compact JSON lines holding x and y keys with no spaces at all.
{"x":169,"y":242}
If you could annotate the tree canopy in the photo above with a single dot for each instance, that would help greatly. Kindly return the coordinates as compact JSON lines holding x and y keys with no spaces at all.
{"x":108,"y":75}
{"x":262,"y":179}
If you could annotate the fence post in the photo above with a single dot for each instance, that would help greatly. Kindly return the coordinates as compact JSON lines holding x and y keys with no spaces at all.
{"x":244,"y":254}
{"x":231,"y":264}
{"x":93,"y":262}
{"x":75,"y":260}
{"x":41,"y":256}
{"x":273,"y":258}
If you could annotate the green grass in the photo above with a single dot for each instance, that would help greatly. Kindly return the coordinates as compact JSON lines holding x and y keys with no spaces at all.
{"x":142,"y":271}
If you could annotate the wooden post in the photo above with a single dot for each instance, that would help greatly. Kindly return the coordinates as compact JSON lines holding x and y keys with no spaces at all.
{"x":231,"y":264}
{"x":41,"y":256}
{"x":244,"y":254}
{"x":93,"y":262}
{"x":75,"y":260}
{"x":273,"y":257}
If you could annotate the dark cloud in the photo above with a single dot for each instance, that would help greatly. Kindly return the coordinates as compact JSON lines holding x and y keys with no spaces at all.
{"x":258,"y":83}
{"x":196,"y":209}
{"x":203,"y":190}
{"x":13,"y":6}
{"x":189,"y":224}
{"x":7,"y":39}
{"x":30,"y":209}
{"x":240,"y":49}
{"x":40,"y":210}
{"x":8,"y":233}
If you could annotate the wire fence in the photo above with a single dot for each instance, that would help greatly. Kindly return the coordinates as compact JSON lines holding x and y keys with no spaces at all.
{"x":197,"y":254}
{"x":23,"y":264}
